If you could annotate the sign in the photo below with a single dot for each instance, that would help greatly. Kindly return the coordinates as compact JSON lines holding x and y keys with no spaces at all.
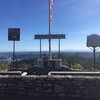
{"x":52,"y":36}
{"x":93,"y":40}
{"x":14,"y":34}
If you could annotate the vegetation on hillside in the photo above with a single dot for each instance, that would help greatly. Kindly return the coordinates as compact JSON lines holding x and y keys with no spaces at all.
{"x":76,"y":62}
{"x":4,"y":65}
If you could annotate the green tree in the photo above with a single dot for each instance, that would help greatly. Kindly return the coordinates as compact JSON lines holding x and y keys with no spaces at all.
{"x":77,"y":66}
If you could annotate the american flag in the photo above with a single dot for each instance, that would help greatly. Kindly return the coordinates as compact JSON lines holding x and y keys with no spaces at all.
{"x":51,"y":6}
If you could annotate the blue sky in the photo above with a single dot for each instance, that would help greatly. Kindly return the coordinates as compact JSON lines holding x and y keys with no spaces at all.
{"x":75,"y":18}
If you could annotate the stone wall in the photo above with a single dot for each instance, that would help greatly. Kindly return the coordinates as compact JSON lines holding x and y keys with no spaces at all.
{"x":53,"y":86}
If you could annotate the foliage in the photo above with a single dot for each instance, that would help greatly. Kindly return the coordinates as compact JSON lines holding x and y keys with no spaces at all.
{"x":77,"y":66}
{"x":4,"y":65}
{"x":75,"y":61}
{"x":78,"y":62}
{"x":26,"y":63}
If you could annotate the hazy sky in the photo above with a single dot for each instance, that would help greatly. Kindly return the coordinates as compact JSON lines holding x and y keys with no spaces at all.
{"x":75,"y":18}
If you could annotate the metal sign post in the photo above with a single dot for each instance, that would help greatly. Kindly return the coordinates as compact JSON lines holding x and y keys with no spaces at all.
{"x":59,"y":49}
{"x":14,"y":35}
{"x":94,"y":49}
{"x":13,"y":52}
{"x":40,"y":48}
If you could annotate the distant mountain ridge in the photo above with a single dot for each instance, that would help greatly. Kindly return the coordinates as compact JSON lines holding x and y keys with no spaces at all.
{"x":4,"y":56}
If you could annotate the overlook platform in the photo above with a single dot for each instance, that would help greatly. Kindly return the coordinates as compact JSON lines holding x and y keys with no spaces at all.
{"x":73,"y":86}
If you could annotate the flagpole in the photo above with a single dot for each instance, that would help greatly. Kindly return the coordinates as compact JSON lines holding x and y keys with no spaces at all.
{"x":50,"y":56}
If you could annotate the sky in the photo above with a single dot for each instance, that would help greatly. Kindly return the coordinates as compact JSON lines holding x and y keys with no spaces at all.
{"x":75,"y":18}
